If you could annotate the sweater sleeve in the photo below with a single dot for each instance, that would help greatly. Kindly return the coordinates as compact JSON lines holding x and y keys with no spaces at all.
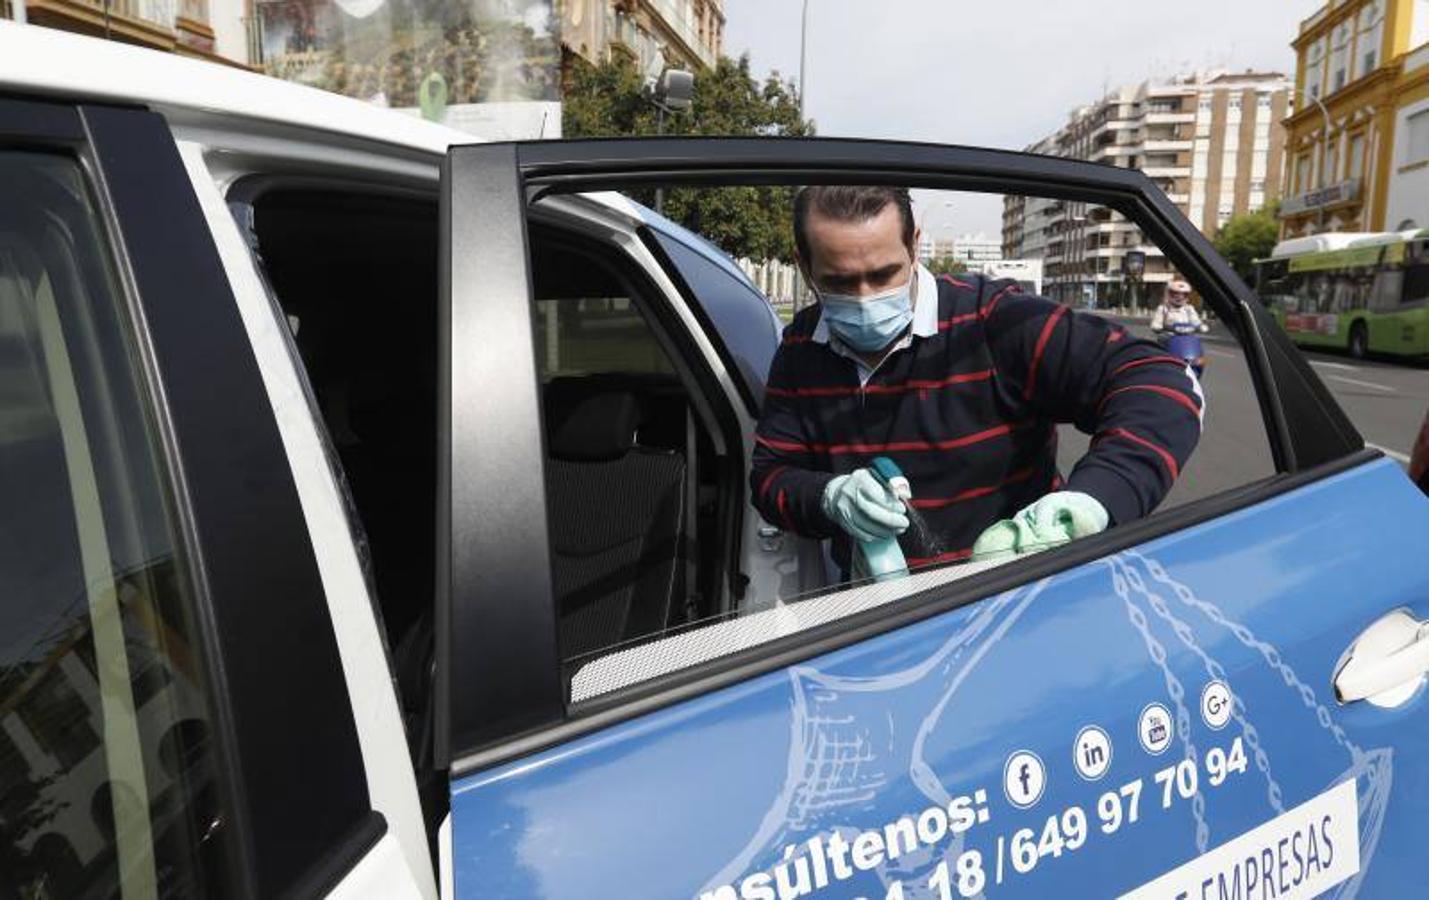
{"x":1142,"y":407}
{"x":786,"y":485}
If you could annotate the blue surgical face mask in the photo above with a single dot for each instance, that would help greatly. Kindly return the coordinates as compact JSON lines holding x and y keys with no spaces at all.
{"x":869,"y":323}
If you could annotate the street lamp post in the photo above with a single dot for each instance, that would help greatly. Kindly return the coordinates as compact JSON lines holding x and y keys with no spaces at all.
{"x":1325,"y":114}
{"x":803,"y":43}
{"x":672,"y":92}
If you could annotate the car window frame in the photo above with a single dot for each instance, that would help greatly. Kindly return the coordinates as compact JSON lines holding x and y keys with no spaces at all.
{"x":241,"y":542}
{"x":1322,"y":442}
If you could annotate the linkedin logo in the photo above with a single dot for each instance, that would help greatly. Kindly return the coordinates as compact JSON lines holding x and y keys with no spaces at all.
{"x":1091,"y":752}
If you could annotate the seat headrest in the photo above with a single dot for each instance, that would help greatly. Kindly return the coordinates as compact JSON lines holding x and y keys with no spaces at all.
{"x":594,"y":427}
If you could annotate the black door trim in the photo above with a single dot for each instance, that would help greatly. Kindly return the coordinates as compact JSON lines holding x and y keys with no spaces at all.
{"x":498,"y":667}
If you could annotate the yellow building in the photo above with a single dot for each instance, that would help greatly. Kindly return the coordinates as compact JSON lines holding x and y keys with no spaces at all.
{"x":1359,"y":67}
{"x":688,"y":34}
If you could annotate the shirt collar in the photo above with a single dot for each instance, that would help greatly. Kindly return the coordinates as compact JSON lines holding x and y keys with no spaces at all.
{"x":925,"y":309}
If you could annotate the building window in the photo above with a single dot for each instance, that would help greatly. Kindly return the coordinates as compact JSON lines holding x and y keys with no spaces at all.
{"x":1355,"y":165}
{"x":1339,"y":58}
{"x":1315,"y":68}
{"x":1302,"y":173}
{"x":1418,"y":143}
{"x":1371,"y":35}
{"x":1331,"y":167}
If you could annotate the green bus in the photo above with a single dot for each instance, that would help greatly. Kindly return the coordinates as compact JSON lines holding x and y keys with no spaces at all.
{"x":1365,"y":293}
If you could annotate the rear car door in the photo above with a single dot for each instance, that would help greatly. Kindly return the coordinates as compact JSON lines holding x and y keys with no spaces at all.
{"x":1194,"y":704}
{"x":174,"y":720}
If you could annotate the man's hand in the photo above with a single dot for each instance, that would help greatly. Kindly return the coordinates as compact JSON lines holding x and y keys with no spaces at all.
{"x":860,"y":505}
{"x":1054,"y":520}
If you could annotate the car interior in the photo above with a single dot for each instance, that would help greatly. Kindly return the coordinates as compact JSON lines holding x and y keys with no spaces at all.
{"x":633,"y":479}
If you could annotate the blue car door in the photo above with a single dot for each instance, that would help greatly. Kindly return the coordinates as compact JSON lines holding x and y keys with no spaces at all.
{"x":1222,"y":700}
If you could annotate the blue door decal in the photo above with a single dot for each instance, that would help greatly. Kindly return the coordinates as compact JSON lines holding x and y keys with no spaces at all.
{"x":1083,"y":735}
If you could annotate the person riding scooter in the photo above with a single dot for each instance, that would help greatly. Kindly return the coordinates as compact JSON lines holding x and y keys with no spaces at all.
{"x":1178,"y":326}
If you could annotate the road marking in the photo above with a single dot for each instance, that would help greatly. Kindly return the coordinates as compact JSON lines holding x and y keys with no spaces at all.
{"x":1333,"y":365}
{"x":1392,"y":454}
{"x":1356,"y":381}
{"x":1223,"y":354}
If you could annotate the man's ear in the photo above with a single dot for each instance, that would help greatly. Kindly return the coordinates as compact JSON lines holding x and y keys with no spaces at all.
{"x":917,"y":242}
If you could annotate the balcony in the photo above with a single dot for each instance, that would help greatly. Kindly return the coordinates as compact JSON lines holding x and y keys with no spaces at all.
{"x":678,"y":17}
{"x":1167,"y":171}
{"x":1168,"y":145}
{"x":149,"y":23}
{"x":1169,"y":118}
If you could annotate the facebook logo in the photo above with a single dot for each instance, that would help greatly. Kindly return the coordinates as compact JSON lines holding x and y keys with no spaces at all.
{"x":1024,"y":778}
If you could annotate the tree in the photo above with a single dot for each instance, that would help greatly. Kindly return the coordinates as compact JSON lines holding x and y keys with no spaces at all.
{"x":609,"y":101}
{"x":1248,"y":237}
{"x":946,"y":265}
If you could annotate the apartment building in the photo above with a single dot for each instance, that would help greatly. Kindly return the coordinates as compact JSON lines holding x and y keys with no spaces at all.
{"x":688,"y":34}
{"x":214,"y":30}
{"x":1358,"y":142}
{"x":1211,"y":141}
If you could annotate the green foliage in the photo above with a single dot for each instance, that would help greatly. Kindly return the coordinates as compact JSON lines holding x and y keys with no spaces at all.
{"x":1248,"y":237}
{"x":609,"y":101}
{"x":946,"y":265}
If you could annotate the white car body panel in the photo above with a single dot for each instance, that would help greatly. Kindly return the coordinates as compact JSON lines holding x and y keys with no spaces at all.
{"x":380,"y":731}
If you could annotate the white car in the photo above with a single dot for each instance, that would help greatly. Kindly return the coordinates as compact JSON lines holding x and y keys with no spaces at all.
{"x":375,"y":521}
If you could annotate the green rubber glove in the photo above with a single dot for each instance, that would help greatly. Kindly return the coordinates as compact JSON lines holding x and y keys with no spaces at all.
{"x":860,"y":505}
{"x":1054,"y":520}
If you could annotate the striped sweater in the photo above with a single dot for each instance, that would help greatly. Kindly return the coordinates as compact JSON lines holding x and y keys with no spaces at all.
{"x":968,"y":409}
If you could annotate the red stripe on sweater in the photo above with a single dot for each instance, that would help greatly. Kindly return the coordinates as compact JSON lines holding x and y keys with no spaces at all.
{"x":915,"y":561}
{"x":945,"y":324}
{"x":769,"y":479}
{"x":954,"y":282}
{"x":971,"y":493}
{"x":920,"y":446}
{"x":1166,"y":457}
{"x":848,"y":390}
{"x":987,"y":310}
{"x":784,"y":508}
{"x":1155,"y":389}
{"x":791,"y":446}
{"x":1041,"y":347}
{"x":893,"y":447}
{"x":1146,"y":361}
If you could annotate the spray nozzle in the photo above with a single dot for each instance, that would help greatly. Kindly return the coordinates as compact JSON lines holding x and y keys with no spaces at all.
{"x":892,"y":477}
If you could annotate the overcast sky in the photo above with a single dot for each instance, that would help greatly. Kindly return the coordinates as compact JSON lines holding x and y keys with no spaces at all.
{"x":996,"y":74}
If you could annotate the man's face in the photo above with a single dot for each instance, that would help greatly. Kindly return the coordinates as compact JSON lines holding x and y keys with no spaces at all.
{"x":858,"y":258}
{"x":1178,"y":298}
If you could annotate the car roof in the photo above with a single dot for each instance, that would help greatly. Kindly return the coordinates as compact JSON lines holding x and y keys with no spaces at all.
{"x":47,"y":62}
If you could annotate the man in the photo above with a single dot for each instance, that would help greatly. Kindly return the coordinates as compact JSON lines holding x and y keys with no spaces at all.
{"x":1177,"y":309}
{"x":960,"y":381}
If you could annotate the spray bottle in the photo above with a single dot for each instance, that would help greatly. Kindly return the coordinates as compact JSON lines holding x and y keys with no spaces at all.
{"x":883,"y":559}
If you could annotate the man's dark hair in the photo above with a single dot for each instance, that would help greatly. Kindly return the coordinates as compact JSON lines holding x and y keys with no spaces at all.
{"x":848,"y":203}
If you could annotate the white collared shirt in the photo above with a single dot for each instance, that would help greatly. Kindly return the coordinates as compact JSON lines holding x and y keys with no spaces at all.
{"x":925,"y":324}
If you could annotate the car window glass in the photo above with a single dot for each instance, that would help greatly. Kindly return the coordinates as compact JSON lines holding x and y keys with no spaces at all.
{"x":107,"y":770}
{"x":743,"y":323}
{"x":1048,"y":355}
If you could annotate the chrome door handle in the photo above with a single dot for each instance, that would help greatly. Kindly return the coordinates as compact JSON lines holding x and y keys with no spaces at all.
{"x":1387,"y":663}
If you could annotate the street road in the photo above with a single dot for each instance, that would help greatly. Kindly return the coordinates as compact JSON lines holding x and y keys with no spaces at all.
{"x":1385,"y":400}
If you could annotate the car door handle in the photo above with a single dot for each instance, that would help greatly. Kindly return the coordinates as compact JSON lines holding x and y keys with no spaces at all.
{"x":1387,"y":663}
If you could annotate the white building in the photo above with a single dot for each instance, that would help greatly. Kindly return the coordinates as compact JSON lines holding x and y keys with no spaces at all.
{"x":1210,"y":141}
{"x":970,"y":248}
